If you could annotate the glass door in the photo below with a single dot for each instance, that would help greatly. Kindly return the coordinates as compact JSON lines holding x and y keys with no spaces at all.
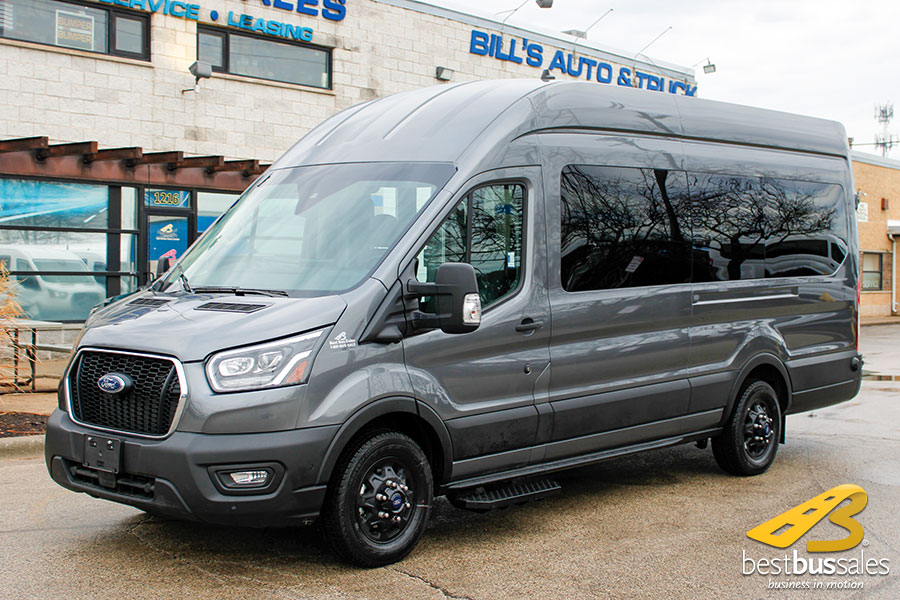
{"x":169,"y":228}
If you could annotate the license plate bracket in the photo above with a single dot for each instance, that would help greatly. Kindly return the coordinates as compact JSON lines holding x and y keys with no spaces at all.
{"x":102,"y":453}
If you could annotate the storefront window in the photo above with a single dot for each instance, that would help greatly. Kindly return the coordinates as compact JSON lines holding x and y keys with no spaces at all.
{"x":76,"y":25}
{"x":264,"y":58}
{"x":56,"y":239}
{"x":209,"y":206}
{"x":129,"y":208}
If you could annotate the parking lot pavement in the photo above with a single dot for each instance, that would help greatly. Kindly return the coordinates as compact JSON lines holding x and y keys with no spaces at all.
{"x":666,"y":523}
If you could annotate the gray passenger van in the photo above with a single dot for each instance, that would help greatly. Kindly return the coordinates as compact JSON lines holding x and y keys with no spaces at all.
{"x":461,"y":290}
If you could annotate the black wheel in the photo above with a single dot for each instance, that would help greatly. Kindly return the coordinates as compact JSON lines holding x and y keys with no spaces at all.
{"x":378,"y":500}
{"x":750,"y":440}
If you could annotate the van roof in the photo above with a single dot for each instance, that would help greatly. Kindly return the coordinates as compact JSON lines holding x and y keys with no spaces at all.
{"x":440,"y":123}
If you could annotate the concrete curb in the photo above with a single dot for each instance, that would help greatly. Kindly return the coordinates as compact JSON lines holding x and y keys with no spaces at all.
{"x":26,"y":446}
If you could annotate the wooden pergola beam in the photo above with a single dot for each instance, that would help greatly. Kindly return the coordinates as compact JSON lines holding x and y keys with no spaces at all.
{"x":65,"y":150}
{"x":114,"y":154}
{"x":210,"y":162}
{"x":84,"y":161}
{"x":235,"y":165}
{"x":20,"y":144}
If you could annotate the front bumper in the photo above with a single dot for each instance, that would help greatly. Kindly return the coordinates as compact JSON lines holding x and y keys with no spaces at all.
{"x":172,"y":476}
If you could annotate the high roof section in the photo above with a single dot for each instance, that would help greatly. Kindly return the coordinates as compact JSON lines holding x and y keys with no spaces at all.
{"x":440,"y":123}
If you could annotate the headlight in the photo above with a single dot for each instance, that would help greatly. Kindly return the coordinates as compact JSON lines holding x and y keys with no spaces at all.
{"x":58,"y":294}
{"x":274,"y":364}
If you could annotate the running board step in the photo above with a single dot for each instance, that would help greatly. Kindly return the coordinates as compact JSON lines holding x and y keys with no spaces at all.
{"x":485,"y":498}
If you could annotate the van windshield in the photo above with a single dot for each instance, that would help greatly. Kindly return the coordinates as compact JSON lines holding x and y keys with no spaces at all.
{"x":312,"y":230}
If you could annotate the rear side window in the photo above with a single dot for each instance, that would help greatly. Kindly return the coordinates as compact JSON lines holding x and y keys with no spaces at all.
{"x":760,"y":227}
{"x":623,"y":227}
{"x":484,"y":229}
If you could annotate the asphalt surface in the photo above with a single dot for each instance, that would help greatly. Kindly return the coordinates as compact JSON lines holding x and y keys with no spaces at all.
{"x":663,"y":524}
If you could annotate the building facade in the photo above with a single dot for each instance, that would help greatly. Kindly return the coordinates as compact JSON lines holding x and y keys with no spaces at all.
{"x":81,"y":221}
{"x":116,"y":70}
{"x":877,"y":181}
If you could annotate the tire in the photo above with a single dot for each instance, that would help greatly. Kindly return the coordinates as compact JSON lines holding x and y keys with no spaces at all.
{"x":750,"y":440}
{"x":377,"y":504}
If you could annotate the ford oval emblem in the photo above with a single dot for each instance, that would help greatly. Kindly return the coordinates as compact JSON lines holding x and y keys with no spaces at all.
{"x":114,"y":383}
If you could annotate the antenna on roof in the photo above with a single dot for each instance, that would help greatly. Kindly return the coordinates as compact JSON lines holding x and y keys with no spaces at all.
{"x":884,"y":113}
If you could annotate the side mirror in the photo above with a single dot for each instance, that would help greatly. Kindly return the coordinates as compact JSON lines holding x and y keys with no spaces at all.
{"x":162,"y":265}
{"x":458,"y":304}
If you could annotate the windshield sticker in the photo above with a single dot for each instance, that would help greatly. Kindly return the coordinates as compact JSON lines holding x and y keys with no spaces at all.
{"x":342,"y":341}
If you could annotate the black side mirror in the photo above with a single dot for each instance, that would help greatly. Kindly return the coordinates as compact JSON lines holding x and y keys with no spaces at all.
{"x":458,"y":304}
{"x":162,"y":265}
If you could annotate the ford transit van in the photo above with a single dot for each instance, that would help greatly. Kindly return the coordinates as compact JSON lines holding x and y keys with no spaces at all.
{"x":461,"y":290}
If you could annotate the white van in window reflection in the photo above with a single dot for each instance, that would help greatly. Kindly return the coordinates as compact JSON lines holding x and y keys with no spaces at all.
{"x":791,"y":256}
{"x":52,"y":297}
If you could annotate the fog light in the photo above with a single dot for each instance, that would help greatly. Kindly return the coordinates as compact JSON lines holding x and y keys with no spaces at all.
{"x":249,"y":477}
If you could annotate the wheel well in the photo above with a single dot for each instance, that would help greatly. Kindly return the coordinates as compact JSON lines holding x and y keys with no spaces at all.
{"x":416,"y":428}
{"x":773,"y":377}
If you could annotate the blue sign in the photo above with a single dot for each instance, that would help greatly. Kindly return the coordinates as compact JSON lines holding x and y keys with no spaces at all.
{"x":173,"y":8}
{"x":275,"y":28}
{"x":167,"y":198}
{"x":333,"y":10}
{"x":568,"y":63}
{"x":168,"y":238}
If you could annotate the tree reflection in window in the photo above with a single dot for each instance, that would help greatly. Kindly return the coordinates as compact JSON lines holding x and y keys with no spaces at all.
{"x":623,"y":227}
{"x":759,"y":227}
{"x":485,"y":230}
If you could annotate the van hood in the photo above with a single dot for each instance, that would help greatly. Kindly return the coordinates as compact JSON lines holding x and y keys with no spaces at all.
{"x":192,"y":326}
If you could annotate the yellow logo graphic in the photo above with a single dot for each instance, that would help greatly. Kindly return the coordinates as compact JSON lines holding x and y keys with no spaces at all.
{"x":167,"y":228}
{"x":788,"y":527}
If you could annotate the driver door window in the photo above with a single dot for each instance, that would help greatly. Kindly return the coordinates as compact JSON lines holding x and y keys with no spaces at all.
{"x":484,"y":230}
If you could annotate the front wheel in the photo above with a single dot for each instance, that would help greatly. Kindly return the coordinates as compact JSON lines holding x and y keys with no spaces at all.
{"x":378,"y":501}
{"x":750,"y":440}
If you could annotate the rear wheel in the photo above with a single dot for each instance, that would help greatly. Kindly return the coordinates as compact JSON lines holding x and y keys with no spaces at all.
{"x":750,"y":440}
{"x":378,"y":501}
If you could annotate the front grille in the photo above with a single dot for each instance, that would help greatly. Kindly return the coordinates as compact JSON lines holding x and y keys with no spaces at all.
{"x":147,"y":408}
{"x":123,"y":483}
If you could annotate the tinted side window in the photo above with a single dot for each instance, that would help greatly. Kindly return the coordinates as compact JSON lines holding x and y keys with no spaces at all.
{"x":486,"y":230}
{"x":759,"y":227}
{"x":623,"y":227}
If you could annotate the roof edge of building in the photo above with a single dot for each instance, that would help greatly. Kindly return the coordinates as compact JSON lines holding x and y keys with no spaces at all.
{"x":874,"y":159}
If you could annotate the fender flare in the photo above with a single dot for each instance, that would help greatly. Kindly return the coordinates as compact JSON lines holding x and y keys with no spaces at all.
{"x":764,"y":358}
{"x":365,"y":415}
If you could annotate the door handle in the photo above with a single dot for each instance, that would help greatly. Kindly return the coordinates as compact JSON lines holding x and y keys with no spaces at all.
{"x":529,"y":325}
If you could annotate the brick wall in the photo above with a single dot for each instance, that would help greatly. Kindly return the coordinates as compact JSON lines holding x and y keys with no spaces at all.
{"x":878,"y":181}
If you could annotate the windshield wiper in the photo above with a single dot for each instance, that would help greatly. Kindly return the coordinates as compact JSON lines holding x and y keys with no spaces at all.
{"x":185,"y":284}
{"x":238,"y":291}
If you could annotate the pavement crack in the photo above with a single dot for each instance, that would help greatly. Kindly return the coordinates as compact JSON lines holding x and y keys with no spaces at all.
{"x":433,"y":586}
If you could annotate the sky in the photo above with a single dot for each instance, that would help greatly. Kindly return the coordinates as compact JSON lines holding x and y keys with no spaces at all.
{"x":824,"y":58}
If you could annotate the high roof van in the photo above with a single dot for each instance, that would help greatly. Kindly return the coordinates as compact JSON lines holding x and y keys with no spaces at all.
{"x":461,"y":290}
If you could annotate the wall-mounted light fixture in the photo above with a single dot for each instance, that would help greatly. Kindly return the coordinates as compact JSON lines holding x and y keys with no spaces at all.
{"x":443,"y":73}
{"x":200,"y":70}
{"x":547,"y":76}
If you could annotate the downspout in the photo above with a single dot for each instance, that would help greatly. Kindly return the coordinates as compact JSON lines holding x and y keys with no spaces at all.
{"x":893,"y":274}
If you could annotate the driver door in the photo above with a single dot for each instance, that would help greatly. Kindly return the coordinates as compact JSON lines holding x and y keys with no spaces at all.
{"x":482,"y":383}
